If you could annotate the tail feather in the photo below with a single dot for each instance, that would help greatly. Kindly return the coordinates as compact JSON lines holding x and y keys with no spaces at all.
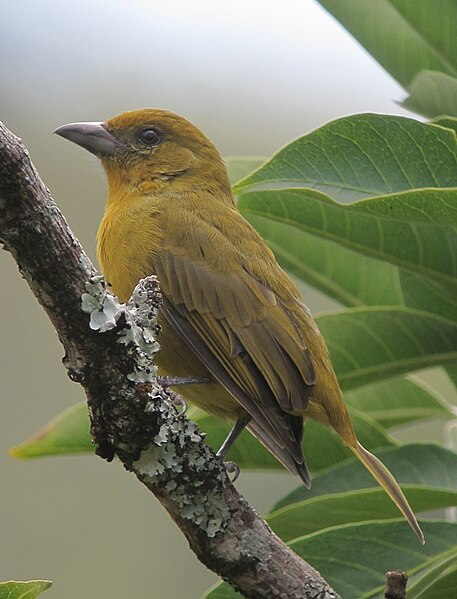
{"x":281,"y":453}
{"x":390,"y":485}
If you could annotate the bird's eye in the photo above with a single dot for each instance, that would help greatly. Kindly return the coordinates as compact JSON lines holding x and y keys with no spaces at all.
{"x":150,"y":137}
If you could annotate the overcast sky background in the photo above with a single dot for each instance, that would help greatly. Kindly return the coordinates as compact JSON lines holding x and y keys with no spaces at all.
{"x":253,"y":75}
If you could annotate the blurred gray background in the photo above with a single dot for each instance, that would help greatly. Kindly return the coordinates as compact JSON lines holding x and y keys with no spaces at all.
{"x":253,"y":75}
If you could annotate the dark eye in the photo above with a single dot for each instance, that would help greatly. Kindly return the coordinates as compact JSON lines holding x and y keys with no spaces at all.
{"x":150,"y":137}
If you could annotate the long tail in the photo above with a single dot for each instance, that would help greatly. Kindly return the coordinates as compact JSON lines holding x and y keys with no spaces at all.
{"x":389,"y":484}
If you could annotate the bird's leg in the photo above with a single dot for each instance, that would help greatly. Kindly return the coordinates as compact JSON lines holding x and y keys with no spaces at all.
{"x":233,"y":434}
{"x":176,"y":381}
{"x":232,"y":468}
{"x":239,"y":425}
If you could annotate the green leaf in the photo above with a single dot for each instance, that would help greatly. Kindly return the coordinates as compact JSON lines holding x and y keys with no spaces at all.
{"x":426,"y":465}
{"x":363,"y":155}
{"x":447,"y":122}
{"x":369,"y":344}
{"x":221,"y":591}
{"x":239,"y":167}
{"x":398,"y":401}
{"x":423,"y":293}
{"x":415,"y":230}
{"x":350,"y":277}
{"x":312,"y":515}
{"x":355,"y":558}
{"x":347,"y":276}
{"x":14,"y":589}
{"x":451,"y":371}
{"x":438,"y":583}
{"x":432,"y":94}
{"x":67,"y":433}
{"x":404,"y":36}
{"x":317,"y":437}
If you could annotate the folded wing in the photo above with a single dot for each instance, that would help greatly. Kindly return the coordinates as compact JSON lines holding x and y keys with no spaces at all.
{"x":250,"y":343}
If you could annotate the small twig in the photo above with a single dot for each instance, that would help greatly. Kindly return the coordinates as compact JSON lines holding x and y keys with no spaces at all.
{"x":395,"y":585}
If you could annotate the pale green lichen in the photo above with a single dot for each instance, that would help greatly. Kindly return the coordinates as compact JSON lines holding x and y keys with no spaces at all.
{"x":207,"y":509}
{"x":163,"y":435}
{"x":105,"y":311}
{"x":210,"y":515}
{"x":85,"y":265}
{"x":103,"y":307}
{"x":176,"y":449}
{"x":150,"y":464}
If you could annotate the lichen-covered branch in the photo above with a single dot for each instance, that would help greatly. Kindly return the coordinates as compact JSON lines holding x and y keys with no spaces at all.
{"x":108,"y":350}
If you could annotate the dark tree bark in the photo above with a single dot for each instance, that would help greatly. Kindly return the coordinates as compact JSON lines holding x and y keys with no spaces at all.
{"x":395,"y":585}
{"x":109,"y":349}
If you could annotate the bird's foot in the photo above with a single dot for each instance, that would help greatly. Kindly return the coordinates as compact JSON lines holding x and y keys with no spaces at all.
{"x":179,"y":402}
{"x":232,"y":468}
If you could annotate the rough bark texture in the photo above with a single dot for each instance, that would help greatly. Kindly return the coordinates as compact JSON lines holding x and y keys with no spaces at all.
{"x":108,"y":350}
{"x":395,"y":585}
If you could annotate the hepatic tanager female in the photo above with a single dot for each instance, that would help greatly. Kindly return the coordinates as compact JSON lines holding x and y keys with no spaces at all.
{"x":230,"y":313}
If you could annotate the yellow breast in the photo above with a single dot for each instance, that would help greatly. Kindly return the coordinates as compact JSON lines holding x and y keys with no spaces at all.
{"x":127,"y":237}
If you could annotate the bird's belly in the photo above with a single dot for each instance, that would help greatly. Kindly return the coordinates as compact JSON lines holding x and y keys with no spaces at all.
{"x":176,"y":359}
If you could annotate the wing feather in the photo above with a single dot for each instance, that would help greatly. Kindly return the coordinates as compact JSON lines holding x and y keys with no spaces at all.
{"x":249,"y":341}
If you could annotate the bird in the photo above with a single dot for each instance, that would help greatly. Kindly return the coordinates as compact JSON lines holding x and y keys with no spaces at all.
{"x":230,"y":313}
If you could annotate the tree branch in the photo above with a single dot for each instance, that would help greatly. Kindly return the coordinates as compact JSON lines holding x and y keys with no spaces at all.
{"x":395,"y":585}
{"x":108,"y":350}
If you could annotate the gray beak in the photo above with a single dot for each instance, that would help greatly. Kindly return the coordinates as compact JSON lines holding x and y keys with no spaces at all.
{"x":90,"y":136}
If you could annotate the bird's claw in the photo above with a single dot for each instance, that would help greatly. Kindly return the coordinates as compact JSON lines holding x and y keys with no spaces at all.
{"x":179,"y":402}
{"x":232,"y":468}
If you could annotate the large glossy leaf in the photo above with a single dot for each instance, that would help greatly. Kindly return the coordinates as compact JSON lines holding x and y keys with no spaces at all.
{"x":15,"y":589}
{"x":451,"y":370}
{"x":399,"y":401}
{"x":416,"y":230}
{"x":68,"y":433}
{"x":438,"y":583}
{"x":426,"y":465}
{"x":349,"y":277}
{"x":433,"y":94}
{"x":324,"y":448}
{"x":361,"y":554}
{"x":355,"y":558}
{"x":424,"y":293}
{"x":404,"y":36}
{"x":221,"y":591}
{"x":369,"y":344}
{"x":363,"y":155}
{"x":447,"y":122}
{"x":316,"y":514}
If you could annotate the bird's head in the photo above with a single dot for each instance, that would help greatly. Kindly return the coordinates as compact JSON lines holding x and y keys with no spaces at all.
{"x":150,"y":150}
